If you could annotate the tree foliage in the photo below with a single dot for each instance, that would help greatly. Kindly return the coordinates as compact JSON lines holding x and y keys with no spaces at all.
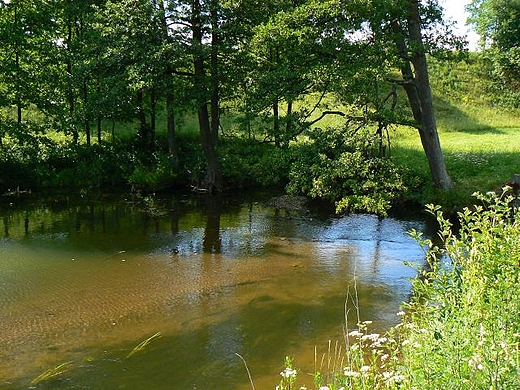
{"x":280,"y":67}
{"x":498,"y":24}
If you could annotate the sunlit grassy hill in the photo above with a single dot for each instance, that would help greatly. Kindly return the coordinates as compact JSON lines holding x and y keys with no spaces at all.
{"x":480,"y":139}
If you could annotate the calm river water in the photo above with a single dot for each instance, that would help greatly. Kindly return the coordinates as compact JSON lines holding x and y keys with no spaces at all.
{"x":83,"y":282}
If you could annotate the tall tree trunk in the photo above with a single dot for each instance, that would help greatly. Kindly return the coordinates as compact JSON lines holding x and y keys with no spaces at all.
{"x":85,"y":112}
{"x":170,"y":124}
{"x":18,"y":78}
{"x":276,"y":123}
{"x":70,"y":85}
{"x":153,"y":117}
{"x":141,"y":114}
{"x":289,"y":119}
{"x":99,"y":129}
{"x":18,"y":90}
{"x":213,"y":180}
{"x":275,"y":58}
{"x":417,"y":87}
{"x":215,"y":91}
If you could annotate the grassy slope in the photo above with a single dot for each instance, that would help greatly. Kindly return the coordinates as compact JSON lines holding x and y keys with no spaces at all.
{"x":481,"y":143}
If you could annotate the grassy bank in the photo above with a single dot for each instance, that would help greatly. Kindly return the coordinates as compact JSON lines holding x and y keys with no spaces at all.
{"x":461,"y":329}
{"x":479,"y":160}
{"x":479,"y":137}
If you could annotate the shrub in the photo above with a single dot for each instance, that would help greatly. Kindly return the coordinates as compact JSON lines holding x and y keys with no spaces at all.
{"x":343,"y":166}
{"x":464,"y":324}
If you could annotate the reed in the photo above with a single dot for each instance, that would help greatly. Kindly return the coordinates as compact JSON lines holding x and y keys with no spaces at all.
{"x":142,"y":345}
{"x":52,"y":373}
{"x":247,"y":369}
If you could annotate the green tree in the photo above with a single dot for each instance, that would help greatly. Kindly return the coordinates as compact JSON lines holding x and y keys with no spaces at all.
{"x":131,"y":60}
{"x":353,"y":50}
{"x":24,"y":35}
{"x":496,"y":21}
{"x":498,"y":24}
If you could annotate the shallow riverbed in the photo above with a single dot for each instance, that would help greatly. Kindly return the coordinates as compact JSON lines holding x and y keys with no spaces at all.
{"x":85,"y":282}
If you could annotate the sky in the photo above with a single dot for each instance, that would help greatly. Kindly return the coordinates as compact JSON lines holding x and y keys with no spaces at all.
{"x":454,"y":10}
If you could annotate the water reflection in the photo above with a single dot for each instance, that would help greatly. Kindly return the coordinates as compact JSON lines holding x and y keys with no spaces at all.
{"x":213,"y":208}
{"x":87,"y":281}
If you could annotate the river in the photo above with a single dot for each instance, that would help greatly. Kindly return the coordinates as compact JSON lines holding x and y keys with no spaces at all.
{"x":84,"y":281}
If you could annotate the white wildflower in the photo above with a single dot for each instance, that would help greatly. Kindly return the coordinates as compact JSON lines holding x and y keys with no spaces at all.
{"x":393,"y":377}
{"x":401,"y":313}
{"x":350,"y":373}
{"x":288,"y":373}
{"x":355,"y":333}
{"x":379,"y":342}
{"x":364,"y":369}
{"x":371,"y":337}
{"x":476,"y":362}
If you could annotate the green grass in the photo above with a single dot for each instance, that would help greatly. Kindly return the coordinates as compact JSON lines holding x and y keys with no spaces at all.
{"x":480,"y":145}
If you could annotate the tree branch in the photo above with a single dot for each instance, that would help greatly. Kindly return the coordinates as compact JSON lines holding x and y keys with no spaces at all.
{"x":324,"y":114}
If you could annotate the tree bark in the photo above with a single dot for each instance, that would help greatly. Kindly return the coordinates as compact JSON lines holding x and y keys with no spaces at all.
{"x":141,"y":114}
{"x":170,"y":123}
{"x":18,"y":76}
{"x":86,"y":111}
{"x":276,"y":123}
{"x":289,"y":120}
{"x":215,"y":82}
{"x":170,"y":101}
{"x":213,"y":180}
{"x":417,"y":86}
{"x":70,"y":86}
{"x":153,"y":117}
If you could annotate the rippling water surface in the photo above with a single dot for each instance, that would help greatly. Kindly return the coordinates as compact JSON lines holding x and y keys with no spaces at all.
{"x":85,"y":282}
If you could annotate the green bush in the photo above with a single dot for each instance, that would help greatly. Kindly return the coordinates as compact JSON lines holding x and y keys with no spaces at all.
{"x":464,"y":324}
{"x":247,"y":163}
{"x":153,"y":175}
{"x":344,"y":166}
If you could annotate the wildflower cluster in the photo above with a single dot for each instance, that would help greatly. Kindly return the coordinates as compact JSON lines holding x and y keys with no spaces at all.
{"x":288,"y":375}
{"x":368,"y":363}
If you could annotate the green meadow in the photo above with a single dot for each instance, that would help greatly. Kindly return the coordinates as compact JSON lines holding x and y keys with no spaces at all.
{"x":480,"y":139}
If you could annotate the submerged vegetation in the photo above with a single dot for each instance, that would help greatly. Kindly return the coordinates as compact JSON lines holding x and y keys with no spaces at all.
{"x":461,"y":329}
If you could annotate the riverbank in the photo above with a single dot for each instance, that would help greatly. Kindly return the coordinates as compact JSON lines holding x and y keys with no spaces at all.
{"x":461,"y":328}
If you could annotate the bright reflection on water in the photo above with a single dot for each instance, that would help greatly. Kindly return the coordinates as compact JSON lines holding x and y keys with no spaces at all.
{"x":85,"y":282}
